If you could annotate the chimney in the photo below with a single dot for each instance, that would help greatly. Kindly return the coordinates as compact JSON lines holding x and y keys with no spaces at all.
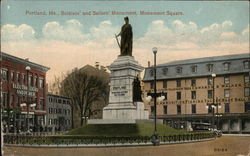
{"x":97,"y":65}
{"x":148,"y":63}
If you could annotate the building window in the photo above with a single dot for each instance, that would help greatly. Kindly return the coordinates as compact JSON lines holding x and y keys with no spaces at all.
{"x":246,"y":64}
{"x":12,"y":76}
{"x":193,"y":108}
{"x":41,"y":83}
{"x":19,"y":78}
{"x":166,"y":95}
{"x":30,"y":80}
{"x":152,"y":109}
{"x":4,"y":99}
{"x":151,"y":72}
{"x":178,"y":109}
{"x":12,"y":98}
{"x":194,"y":69}
{"x":226,"y":80}
{"x":227,"y":108}
{"x":165,"y":109}
{"x":152,"y":85}
{"x":210,"y":67}
{"x":50,"y":121}
{"x":226,"y":93}
{"x":210,"y":94}
{"x":179,"y":70}
{"x":193,"y":94}
{"x":193,"y":82}
{"x":226,"y":66}
{"x":164,"y":71}
{"x":23,"y":79}
{"x":59,"y":101}
{"x":55,"y":121}
{"x":41,"y":104}
{"x":178,"y":95}
{"x":210,"y":109}
{"x":210,"y":81}
{"x":246,"y":78}
{"x":247,"y":91}
{"x":5,"y":74}
{"x":178,"y":83}
{"x":165,"y":84}
{"x":247,"y":106}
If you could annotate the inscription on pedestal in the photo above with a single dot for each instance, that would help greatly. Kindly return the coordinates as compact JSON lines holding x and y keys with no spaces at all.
{"x":119,"y":91}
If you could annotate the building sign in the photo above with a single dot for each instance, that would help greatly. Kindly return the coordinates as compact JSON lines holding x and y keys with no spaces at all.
{"x":218,"y":100}
{"x":199,"y":87}
{"x":24,"y":90}
{"x":119,"y":91}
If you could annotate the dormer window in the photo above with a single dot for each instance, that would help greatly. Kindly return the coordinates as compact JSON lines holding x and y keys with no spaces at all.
{"x":210,"y":67}
{"x":164,"y":71}
{"x":226,"y":66}
{"x":151,"y":72}
{"x":179,"y":70}
{"x":194,"y":69}
{"x":246,"y":64}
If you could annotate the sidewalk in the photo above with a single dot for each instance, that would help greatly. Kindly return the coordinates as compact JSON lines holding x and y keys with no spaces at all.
{"x":240,"y":135}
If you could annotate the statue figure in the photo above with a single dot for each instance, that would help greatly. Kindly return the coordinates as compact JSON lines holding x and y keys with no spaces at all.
{"x":126,"y":34}
{"x":137,"y":90}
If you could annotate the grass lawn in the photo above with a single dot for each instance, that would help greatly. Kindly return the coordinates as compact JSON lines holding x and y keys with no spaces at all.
{"x":140,"y":129}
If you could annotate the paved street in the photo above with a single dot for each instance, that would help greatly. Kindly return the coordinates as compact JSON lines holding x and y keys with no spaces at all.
{"x":224,"y":146}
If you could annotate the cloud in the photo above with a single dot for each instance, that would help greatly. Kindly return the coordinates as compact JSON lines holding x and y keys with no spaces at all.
{"x":228,"y":35}
{"x":187,"y":35}
{"x":103,"y":35}
{"x":70,"y":31}
{"x":10,"y":32}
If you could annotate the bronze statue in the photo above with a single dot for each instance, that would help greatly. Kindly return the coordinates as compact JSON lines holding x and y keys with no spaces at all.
{"x":126,"y":34}
{"x":137,"y":90}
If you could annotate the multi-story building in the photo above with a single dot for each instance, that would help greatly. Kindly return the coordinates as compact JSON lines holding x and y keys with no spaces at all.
{"x":59,"y":113}
{"x":213,"y":90}
{"x":23,"y":94}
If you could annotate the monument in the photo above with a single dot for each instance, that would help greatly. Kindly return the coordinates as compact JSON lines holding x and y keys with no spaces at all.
{"x":125,"y":103}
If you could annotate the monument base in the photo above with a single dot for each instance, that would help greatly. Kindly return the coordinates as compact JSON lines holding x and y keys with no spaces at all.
{"x":129,"y":112}
{"x":120,"y":121}
{"x":122,"y":115}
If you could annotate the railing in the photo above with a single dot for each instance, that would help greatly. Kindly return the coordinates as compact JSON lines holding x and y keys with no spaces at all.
{"x":94,"y":140}
{"x":36,"y":133}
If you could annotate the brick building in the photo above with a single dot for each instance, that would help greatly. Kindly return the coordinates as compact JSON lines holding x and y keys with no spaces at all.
{"x":59,"y":113}
{"x":23,"y":94}
{"x":193,"y":95}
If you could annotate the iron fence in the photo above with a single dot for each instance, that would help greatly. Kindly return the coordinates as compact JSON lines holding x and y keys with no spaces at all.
{"x":68,"y":140}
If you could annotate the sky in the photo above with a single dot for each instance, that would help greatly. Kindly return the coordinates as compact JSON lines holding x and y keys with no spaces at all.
{"x":46,"y":33}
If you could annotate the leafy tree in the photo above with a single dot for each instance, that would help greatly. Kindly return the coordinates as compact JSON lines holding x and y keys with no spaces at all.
{"x":85,"y":86}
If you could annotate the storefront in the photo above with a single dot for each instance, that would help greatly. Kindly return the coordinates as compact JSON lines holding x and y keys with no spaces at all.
{"x":23,"y":94}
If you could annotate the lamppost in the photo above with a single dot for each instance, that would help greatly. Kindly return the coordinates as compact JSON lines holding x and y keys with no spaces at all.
{"x":27,"y":68}
{"x":155,"y":139}
{"x":155,"y":110}
{"x":1,"y":97}
{"x":213,"y":105}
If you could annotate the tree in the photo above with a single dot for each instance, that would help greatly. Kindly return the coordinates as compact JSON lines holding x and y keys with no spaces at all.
{"x":85,"y":86}
{"x":55,"y":87}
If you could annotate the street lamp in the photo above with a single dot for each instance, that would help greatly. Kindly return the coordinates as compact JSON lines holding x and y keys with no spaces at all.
{"x":213,"y":105}
{"x":155,"y":139}
{"x":27,"y":68}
